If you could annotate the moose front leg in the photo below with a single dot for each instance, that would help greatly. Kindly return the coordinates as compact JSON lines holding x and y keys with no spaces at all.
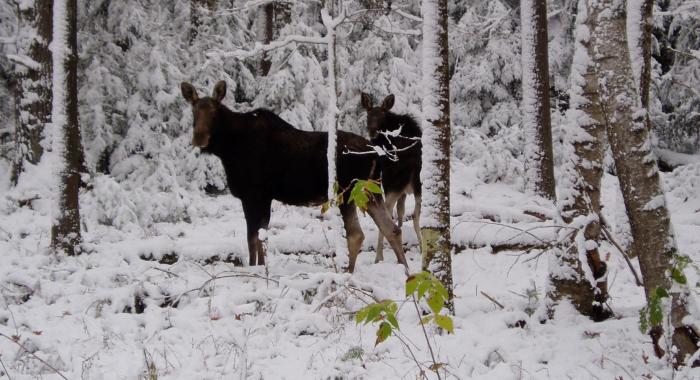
{"x":377,"y":210}
{"x":391,"y":199}
{"x":257,"y":216}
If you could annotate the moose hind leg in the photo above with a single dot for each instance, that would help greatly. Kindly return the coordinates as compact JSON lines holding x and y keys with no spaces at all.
{"x":257,"y":215}
{"x":353,"y":232}
{"x":391,"y":199}
{"x":416,"y":222}
{"x":400,"y":209}
{"x":377,"y":211}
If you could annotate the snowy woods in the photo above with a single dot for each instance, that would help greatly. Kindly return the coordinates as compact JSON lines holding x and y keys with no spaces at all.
{"x":205,"y":189}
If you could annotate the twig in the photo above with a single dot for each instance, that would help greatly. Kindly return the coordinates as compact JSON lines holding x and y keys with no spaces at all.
{"x":44,"y":362}
{"x":492,"y":299}
{"x":5,"y":369}
{"x":425,"y":333}
{"x":612,"y":240}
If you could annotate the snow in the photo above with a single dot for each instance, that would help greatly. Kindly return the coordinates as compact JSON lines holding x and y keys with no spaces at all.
{"x":291,"y":319}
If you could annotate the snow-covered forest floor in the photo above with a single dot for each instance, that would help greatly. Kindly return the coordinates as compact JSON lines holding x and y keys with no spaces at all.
{"x":146,"y":302}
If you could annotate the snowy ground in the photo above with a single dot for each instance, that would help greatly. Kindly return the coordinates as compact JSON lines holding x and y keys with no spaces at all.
{"x":155,"y":301}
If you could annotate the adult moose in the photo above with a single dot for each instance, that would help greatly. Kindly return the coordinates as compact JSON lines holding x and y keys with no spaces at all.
{"x":266,"y":158}
{"x":399,"y":135}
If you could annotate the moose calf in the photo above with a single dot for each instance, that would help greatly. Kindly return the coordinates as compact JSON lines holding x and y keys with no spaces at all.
{"x":400,"y":137}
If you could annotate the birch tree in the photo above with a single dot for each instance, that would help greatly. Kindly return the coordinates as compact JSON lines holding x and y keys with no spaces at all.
{"x":67,"y":145}
{"x":539,"y":162}
{"x":653,"y":240}
{"x":33,"y":84}
{"x":435,"y":174}
{"x":579,"y":200}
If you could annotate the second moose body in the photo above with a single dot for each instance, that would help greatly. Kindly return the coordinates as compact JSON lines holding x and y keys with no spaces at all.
{"x":400,"y":137}
{"x":266,"y":158}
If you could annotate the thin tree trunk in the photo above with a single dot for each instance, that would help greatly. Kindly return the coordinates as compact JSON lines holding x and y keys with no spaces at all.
{"x":266,"y":63}
{"x":647,"y":8}
{"x":539,"y":162}
{"x":582,"y":171}
{"x":65,"y":232}
{"x":33,"y":88}
{"x":435,"y":174}
{"x":653,"y":240}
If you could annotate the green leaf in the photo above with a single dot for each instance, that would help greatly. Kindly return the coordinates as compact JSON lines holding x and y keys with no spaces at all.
{"x":325,"y":207}
{"x":374,"y":311}
{"x":411,"y":285}
{"x":445,"y":322}
{"x":392,"y":319}
{"x":361,"y":315}
{"x":678,"y":276}
{"x":661,"y":292}
{"x":373,"y":187}
{"x":427,"y":319}
{"x":436,"y":303}
{"x":422,"y":288}
{"x":383,"y":332}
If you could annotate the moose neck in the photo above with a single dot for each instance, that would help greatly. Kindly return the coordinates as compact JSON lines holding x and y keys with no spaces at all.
{"x":223,"y":131}
{"x":409,"y":127}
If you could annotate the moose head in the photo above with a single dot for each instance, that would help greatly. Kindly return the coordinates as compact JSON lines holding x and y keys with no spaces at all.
{"x":376,"y":115}
{"x":204,"y":111}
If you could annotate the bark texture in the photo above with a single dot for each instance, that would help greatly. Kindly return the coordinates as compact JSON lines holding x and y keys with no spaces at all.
{"x":65,"y":232}
{"x":645,"y":48}
{"x":435,"y":176}
{"x":536,"y":117}
{"x":33,"y":88}
{"x":653,"y":240}
{"x":579,"y":202}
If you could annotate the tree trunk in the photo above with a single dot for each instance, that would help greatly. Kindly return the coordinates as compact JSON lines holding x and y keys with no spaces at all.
{"x":582,"y":171}
{"x":266,"y":63}
{"x":647,"y":8}
{"x":539,"y":162}
{"x":653,"y":240}
{"x":33,"y":87}
{"x":435,"y":174}
{"x":65,"y":231}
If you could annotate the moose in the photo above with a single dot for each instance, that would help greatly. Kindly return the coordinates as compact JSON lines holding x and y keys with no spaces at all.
{"x":266,"y":158}
{"x":400,"y":137}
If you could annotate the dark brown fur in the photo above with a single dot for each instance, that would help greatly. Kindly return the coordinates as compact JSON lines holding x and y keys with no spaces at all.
{"x":266,"y":158}
{"x":400,"y":176}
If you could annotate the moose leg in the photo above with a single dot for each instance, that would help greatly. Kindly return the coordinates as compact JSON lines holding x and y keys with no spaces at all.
{"x":416,"y":221}
{"x":377,"y":210}
{"x":400,"y":209}
{"x":391,"y":199}
{"x":257,"y":215}
{"x":353,"y":232}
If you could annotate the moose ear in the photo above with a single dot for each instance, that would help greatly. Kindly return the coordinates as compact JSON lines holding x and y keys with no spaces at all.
{"x":188,"y":92}
{"x":388,"y":102}
{"x":219,"y":91}
{"x":366,"y":100}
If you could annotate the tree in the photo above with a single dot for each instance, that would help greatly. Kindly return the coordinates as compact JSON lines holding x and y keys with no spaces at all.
{"x":33,"y":84}
{"x":266,"y":63}
{"x":435,"y":174}
{"x":653,"y":240}
{"x":647,"y":8}
{"x":196,"y":7}
{"x":581,"y":174}
{"x":539,"y":161}
{"x":65,"y":230}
